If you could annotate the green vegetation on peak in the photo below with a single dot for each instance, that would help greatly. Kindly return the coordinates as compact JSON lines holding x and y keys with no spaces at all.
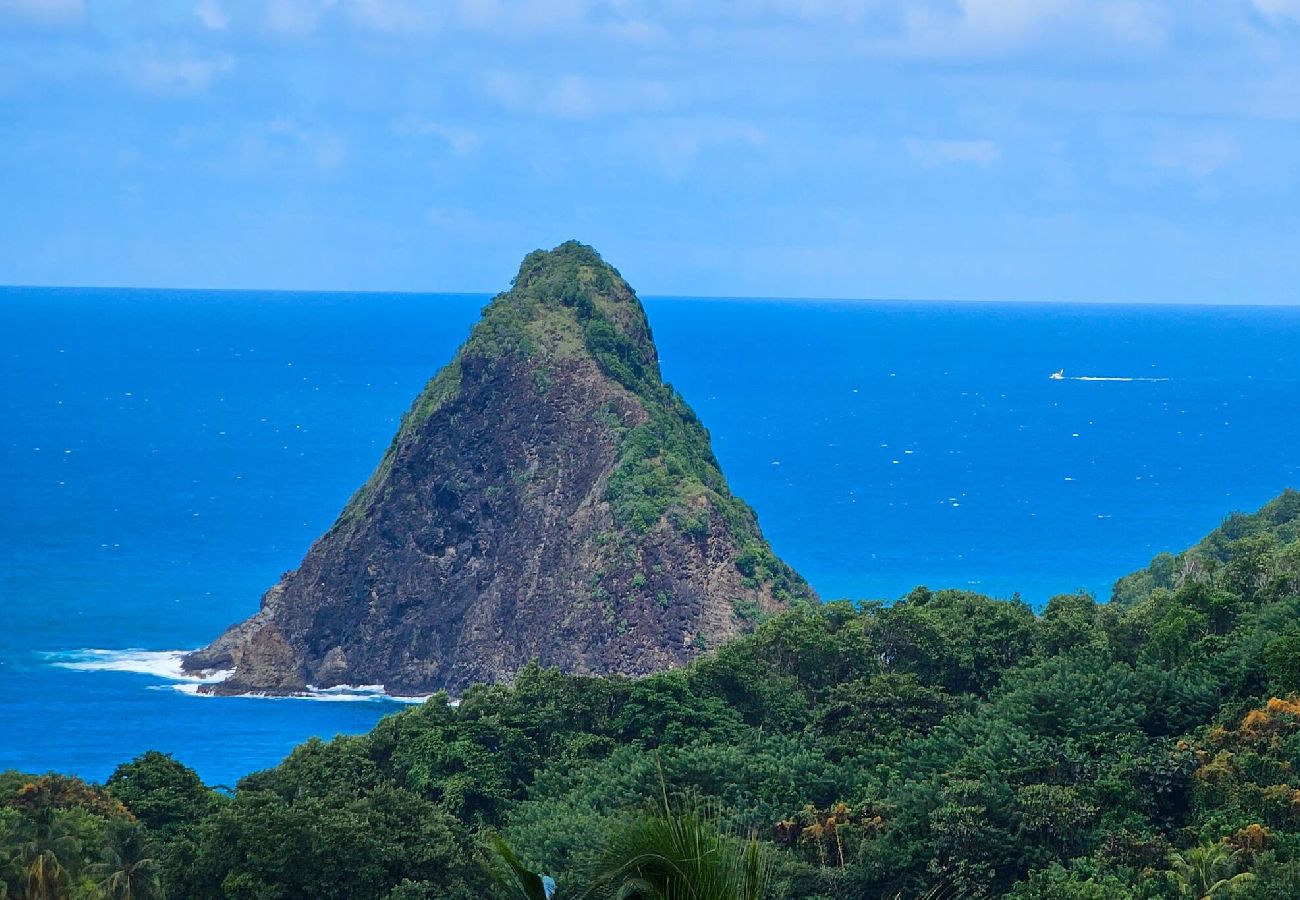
{"x":567,"y":304}
{"x":554,"y":410}
{"x":563,"y":303}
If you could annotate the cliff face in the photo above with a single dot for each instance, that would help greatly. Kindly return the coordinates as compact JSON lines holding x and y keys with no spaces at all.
{"x":547,"y":496}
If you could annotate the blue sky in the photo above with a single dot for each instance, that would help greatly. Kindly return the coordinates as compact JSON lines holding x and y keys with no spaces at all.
{"x":1085,"y":150}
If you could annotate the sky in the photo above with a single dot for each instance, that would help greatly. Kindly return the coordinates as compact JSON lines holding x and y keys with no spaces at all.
{"x":1067,"y":150}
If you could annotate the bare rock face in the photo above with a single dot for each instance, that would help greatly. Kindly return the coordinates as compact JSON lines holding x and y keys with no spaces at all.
{"x":547,"y":497}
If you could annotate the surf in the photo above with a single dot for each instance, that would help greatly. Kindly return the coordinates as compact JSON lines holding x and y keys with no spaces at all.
{"x":165,"y":665}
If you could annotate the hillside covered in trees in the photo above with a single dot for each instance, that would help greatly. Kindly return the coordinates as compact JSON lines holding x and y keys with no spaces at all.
{"x":947,"y":745}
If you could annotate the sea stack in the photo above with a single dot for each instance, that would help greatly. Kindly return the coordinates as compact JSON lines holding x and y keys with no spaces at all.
{"x":546,"y":497}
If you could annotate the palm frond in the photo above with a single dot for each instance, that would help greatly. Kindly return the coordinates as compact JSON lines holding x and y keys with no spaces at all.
{"x":512,"y":875}
{"x":682,"y":854}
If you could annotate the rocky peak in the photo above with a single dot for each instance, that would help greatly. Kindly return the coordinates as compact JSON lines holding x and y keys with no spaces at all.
{"x":547,"y":496}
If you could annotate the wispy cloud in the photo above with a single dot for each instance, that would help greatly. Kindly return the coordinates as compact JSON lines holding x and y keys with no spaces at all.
{"x":1279,"y":11}
{"x":172,"y":74}
{"x":984,"y":29}
{"x":396,"y":16}
{"x":1196,"y":154}
{"x":749,"y":123}
{"x":575,"y":96}
{"x":43,"y":12}
{"x":671,"y":146}
{"x":939,"y":153}
{"x":211,"y":14}
{"x":461,"y":222}
{"x":325,"y":150}
{"x":461,"y":141}
{"x":295,"y":18}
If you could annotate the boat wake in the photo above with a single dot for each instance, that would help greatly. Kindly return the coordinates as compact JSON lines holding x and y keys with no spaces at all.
{"x":166,"y":666}
{"x":1061,"y":376}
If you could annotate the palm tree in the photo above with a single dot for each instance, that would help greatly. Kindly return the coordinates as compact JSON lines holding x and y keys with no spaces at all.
{"x":44,"y":852}
{"x":128,"y":867}
{"x":681,"y":855}
{"x":1208,"y":871}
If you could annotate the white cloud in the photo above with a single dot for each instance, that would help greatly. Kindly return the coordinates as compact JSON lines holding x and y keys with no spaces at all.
{"x":1198,"y":155}
{"x":212,"y":15}
{"x":621,"y":21}
{"x":394,"y":15}
{"x":174,"y":74}
{"x":461,"y":222}
{"x":670,"y":146}
{"x":982,"y":29}
{"x":461,"y":141}
{"x":906,"y":28}
{"x":295,"y":18}
{"x":44,"y":12}
{"x":938,"y":153}
{"x":575,"y":96}
{"x":1278,"y":11}
{"x":617,"y":20}
{"x":325,"y":150}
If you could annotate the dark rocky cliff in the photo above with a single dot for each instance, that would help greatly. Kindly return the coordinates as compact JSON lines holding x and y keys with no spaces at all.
{"x":546,"y":497}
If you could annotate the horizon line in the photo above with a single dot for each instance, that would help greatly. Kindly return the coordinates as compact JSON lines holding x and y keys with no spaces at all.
{"x":1019,"y":301}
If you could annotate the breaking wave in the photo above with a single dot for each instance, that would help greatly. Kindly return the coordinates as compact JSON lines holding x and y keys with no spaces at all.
{"x":340,"y":693}
{"x":166,"y":665}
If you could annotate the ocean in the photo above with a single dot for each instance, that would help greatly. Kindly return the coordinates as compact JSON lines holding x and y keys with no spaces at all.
{"x":166,"y":455}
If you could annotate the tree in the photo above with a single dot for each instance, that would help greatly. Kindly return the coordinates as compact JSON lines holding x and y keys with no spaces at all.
{"x":1282,"y":662}
{"x":332,"y":847}
{"x":128,"y":867}
{"x":161,"y":792}
{"x":1208,"y":871}
{"x":45,"y":852}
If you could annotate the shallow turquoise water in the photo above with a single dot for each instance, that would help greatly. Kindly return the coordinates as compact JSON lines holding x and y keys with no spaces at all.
{"x":166,"y":455}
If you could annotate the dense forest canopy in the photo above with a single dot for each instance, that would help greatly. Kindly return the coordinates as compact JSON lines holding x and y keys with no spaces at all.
{"x":947,"y":745}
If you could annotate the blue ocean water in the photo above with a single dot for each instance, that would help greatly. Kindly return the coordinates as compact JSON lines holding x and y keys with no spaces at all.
{"x":167,"y":454}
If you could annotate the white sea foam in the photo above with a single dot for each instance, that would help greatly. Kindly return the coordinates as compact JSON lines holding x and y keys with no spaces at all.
{"x":1110,"y":378}
{"x":166,"y":665}
{"x":342,"y":693}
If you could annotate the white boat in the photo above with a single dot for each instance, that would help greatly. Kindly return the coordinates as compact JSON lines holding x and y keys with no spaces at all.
{"x":1058,"y":375}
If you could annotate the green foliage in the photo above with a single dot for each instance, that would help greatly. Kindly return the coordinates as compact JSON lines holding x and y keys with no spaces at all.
{"x":336,"y":845}
{"x":44,"y":855}
{"x":680,"y":854}
{"x":1282,"y":660}
{"x":949,"y":745}
{"x":1210,"y":870}
{"x":129,"y":867}
{"x":514,"y":878}
{"x":164,"y":794}
{"x":1245,"y":545}
{"x":1084,"y":881}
